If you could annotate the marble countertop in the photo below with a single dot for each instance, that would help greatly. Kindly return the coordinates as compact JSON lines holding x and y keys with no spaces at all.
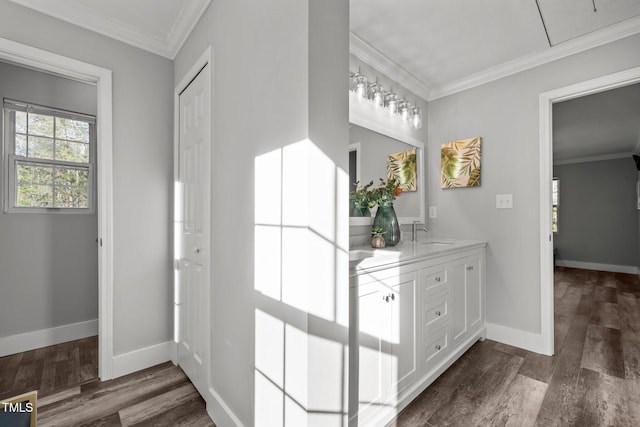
{"x":366,"y":257}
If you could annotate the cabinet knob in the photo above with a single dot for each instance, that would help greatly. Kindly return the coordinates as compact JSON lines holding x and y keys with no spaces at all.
{"x":470,"y":268}
{"x":438,"y":313}
{"x":385,"y":298}
{"x":393,"y":296}
{"x":438,"y":347}
{"x":438,"y":279}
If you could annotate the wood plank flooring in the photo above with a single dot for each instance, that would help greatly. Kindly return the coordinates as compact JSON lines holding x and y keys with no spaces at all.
{"x":592,"y":380}
{"x":70,"y":394}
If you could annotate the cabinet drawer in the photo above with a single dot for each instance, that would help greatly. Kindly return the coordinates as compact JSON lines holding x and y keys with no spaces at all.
{"x":435,"y":277}
{"x":436,"y":308}
{"x":437,"y":346}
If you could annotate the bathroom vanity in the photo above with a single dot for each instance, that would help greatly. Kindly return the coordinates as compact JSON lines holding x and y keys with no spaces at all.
{"x":414,"y":309}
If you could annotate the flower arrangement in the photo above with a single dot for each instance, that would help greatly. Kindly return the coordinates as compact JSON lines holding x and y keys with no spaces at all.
{"x":386,"y":192}
{"x":362,"y":200}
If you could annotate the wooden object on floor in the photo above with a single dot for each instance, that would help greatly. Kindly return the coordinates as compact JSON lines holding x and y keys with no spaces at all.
{"x":592,"y":380}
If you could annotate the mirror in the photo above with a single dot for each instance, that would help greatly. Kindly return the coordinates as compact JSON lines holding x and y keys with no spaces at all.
{"x":368,"y":152}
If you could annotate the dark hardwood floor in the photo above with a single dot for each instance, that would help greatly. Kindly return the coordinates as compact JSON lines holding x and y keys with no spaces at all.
{"x":592,"y":380}
{"x":70,"y":394}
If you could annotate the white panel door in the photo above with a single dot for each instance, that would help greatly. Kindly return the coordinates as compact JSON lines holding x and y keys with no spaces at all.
{"x":195,"y":257}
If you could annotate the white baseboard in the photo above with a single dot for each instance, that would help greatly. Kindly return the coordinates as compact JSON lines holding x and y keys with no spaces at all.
{"x":630,"y":269}
{"x":219,"y":411}
{"x":515,"y":337}
{"x":143,"y":358}
{"x":46,"y":337}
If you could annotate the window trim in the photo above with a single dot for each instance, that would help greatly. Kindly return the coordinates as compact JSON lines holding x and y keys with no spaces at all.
{"x":11,"y":160}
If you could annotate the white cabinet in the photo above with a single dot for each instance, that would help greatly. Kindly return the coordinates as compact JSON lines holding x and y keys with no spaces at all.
{"x":409,"y":322}
{"x":387,"y":318}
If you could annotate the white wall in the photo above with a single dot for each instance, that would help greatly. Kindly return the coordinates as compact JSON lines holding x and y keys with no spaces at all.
{"x":505,"y":113}
{"x":142,"y":139}
{"x":49,"y":262}
{"x":598,"y":214}
{"x":279,"y":77}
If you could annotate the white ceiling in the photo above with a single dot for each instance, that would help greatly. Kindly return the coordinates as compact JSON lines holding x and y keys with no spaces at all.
{"x":599,"y":126}
{"x":159,"y":26}
{"x":436,"y":48}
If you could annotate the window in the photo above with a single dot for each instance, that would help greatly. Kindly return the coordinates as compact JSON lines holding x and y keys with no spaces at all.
{"x":49,"y":156}
{"x":555,"y":189}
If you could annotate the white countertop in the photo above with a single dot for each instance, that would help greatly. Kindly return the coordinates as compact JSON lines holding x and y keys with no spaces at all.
{"x":366,"y":257}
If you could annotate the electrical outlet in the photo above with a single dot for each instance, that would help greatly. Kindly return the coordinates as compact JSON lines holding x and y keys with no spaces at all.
{"x":433,"y":212}
{"x":504,"y":201}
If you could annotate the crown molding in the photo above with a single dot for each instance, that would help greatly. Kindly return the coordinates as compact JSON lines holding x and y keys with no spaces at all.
{"x":185,"y":23}
{"x":166,"y":46}
{"x":370,"y":55}
{"x":594,"y":39}
{"x":588,"y":159}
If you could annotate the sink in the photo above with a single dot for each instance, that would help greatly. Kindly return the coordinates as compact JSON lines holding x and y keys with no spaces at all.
{"x":359,"y":254}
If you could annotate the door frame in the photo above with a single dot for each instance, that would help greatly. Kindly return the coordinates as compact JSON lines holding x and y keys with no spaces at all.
{"x":206,"y":58}
{"x":43,"y":60}
{"x":547,"y":99}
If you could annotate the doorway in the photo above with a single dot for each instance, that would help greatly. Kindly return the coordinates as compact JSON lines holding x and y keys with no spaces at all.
{"x":547,"y":99}
{"x":30,"y":57}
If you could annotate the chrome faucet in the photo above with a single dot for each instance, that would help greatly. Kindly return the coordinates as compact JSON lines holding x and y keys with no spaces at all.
{"x":414,"y":230}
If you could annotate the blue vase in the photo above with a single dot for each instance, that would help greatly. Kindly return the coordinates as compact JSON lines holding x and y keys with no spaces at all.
{"x":387,"y":220}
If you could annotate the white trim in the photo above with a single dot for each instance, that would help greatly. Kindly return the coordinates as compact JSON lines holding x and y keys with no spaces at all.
{"x":515,"y":337}
{"x":630,"y":269}
{"x":183,"y":25}
{"x":588,"y":159}
{"x":547,"y":99}
{"x":164,"y":45}
{"x":124,"y":364}
{"x":39,"y":59}
{"x":370,"y":55}
{"x":219,"y":411}
{"x":45,"y":337}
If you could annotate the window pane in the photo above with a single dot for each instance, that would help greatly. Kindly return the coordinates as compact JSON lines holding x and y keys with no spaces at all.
{"x":71,"y":197}
{"x":30,"y":174}
{"x":21,"y":145}
{"x":40,"y":125}
{"x":72,"y":130}
{"x":40,"y":148}
{"x":21,"y":122}
{"x":33,"y":195}
{"x":71,"y":177}
{"x":72,"y":188}
{"x":72,"y":151}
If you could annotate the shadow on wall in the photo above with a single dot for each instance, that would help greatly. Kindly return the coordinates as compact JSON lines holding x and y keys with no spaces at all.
{"x":301,"y":314}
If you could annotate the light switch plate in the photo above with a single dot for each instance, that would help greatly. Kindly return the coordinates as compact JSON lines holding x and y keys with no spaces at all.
{"x":504,"y":201}
{"x":433,"y":212}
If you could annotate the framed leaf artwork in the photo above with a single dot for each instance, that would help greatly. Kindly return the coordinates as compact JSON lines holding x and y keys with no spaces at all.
{"x":460,"y":163}
{"x":403,"y":167}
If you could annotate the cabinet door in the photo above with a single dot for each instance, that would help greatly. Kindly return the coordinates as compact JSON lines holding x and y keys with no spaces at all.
{"x":375,"y":359}
{"x":466,"y":281}
{"x":473,"y":279}
{"x":404,"y":328}
{"x":459,"y":324}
